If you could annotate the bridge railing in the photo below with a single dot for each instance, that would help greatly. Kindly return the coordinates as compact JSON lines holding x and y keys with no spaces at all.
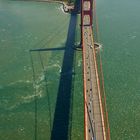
{"x":103,"y":96}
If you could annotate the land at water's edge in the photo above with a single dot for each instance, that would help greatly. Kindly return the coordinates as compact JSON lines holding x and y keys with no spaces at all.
{"x":68,"y":6}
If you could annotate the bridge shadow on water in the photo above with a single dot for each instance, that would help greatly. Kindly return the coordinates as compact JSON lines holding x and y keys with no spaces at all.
{"x":62,"y":115}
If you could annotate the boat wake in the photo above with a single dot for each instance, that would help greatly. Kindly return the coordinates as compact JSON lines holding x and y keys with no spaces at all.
{"x":61,"y":8}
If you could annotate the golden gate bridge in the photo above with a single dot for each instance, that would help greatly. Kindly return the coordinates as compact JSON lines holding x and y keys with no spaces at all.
{"x":95,"y":112}
{"x":96,"y":125}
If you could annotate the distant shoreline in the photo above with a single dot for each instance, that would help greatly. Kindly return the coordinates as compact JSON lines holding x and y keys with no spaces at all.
{"x":66,"y":8}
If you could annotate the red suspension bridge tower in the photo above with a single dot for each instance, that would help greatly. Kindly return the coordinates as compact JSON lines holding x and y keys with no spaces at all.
{"x":86,"y":10}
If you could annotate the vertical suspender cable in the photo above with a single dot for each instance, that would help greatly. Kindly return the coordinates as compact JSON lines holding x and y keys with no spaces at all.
{"x":41,"y":61}
{"x":35,"y":97}
{"x":49,"y":106}
{"x":102,"y":76}
{"x":96,"y":21}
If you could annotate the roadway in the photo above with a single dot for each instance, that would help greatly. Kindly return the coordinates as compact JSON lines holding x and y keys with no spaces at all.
{"x":94,"y":121}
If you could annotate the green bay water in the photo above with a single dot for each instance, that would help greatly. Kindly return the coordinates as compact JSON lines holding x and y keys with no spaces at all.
{"x":28,"y":25}
{"x":119,"y":27}
{"x":32,"y":25}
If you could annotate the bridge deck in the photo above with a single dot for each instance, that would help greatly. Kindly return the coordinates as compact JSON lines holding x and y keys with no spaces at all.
{"x":94,"y":126}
